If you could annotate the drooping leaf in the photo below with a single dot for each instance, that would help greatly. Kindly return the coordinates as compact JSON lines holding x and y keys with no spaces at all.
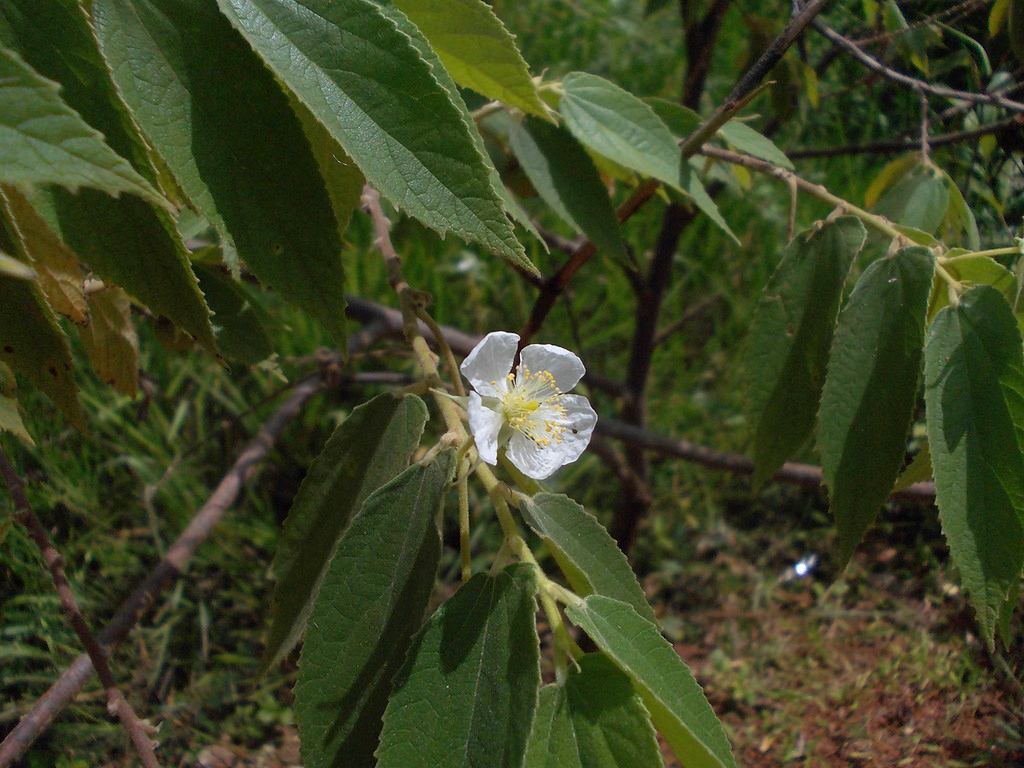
{"x":746,"y":139}
{"x":110,"y":340}
{"x":594,"y":720}
{"x":125,"y":240}
{"x":586,"y":553}
{"x":240,"y":323}
{"x":919,"y":199}
{"x":226,"y":132}
{"x":44,"y":141}
{"x":476,"y":49}
{"x":974,"y":399}
{"x":565,"y":177}
{"x":789,"y":340}
{"x":370,"y":604}
{"x":469,"y":688}
{"x":919,"y":469}
{"x":870,"y":389}
{"x":676,"y":702}
{"x":373,"y":92}
{"x":10,"y":419}
{"x":60,"y":274}
{"x":370,"y":447}
{"x":969,"y":271}
{"x":32,"y":344}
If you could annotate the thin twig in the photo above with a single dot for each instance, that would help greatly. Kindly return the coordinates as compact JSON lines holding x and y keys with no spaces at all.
{"x":792,"y":473}
{"x":746,"y":85}
{"x":138,"y":731}
{"x":61,"y":693}
{"x":922,"y":86}
{"x":1008,"y":126}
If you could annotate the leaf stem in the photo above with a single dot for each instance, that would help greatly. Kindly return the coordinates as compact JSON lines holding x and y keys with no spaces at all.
{"x":1010,"y":251}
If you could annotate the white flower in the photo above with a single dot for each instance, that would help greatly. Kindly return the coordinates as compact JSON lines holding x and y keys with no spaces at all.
{"x":527,"y":411}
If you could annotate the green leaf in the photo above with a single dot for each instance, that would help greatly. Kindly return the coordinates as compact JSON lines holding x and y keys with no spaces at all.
{"x":594,"y":720}
{"x":468,"y":692}
{"x":44,"y":141}
{"x":365,"y":81}
{"x":476,"y":49}
{"x":370,"y":447}
{"x":240,"y":322}
{"x":60,"y":274}
{"x":789,"y":340}
{"x":342,"y":177}
{"x":124,"y":241}
{"x":565,"y":177}
{"x":618,"y":125}
{"x":370,"y":604}
{"x":744,"y":138}
{"x":920,"y":199}
{"x":870,"y":390}
{"x":110,"y":340}
{"x":31,"y":343}
{"x":974,"y":399}
{"x":919,"y":469}
{"x":232,"y":143}
{"x":676,"y":702}
{"x":587,"y":555}
{"x":970,"y":270}
{"x":682,"y":121}
{"x":10,"y":419}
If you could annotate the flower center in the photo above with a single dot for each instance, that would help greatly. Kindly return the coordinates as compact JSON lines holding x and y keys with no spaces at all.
{"x":532,"y":404}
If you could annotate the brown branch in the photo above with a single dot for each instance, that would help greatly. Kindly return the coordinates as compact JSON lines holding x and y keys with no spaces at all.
{"x":138,"y":731}
{"x":746,"y":85}
{"x":60,"y":694}
{"x":1007,"y":126}
{"x":922,"y":86}
{"x":792,"y":473}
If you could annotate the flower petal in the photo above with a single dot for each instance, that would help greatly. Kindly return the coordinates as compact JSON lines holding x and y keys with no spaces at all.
{"x":560,"y":363}
{"x":490,"y":361}
{"x":579,"y":422}
{"x":531,"y":459}
{"x":485,"y":424}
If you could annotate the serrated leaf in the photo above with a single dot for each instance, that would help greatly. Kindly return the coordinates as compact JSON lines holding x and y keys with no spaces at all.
{"x":370,"y":604}
{"x":676,"y":702}
{"x":31,"y":343}
{"x":60,"y":274}
{"x":44,"y":141}
{"x":468,"y":692}
{"x":870,"y":390}
{"x":476,"y":49}
{"x":588,"y":555}
{"x":110,"y":340}
{"x":789,"y":340}
{"x":594,"y":720}
{"x":746,"y":139}
{"x":419,"y":42}
{"x":232,"y":143}
{"x":125,"y":241}
{"x":366,"y":83}
{"x":974,"y":399}
{"x":10,"y":419}
{"x":240,"y":322}
{"x":367,"y":450}
{"x":565,"y":177}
